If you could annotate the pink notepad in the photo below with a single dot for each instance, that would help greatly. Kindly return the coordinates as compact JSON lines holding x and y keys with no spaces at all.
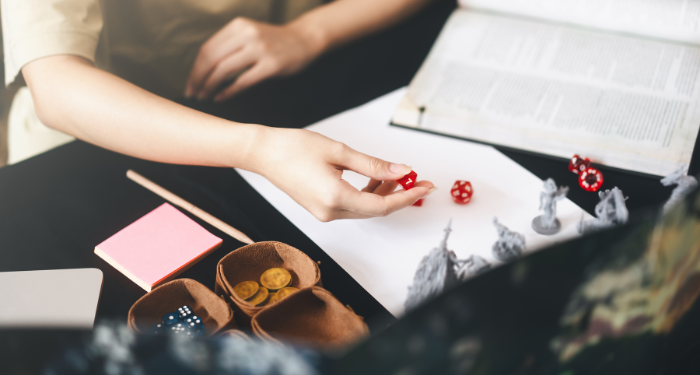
{"x":157,"y":247}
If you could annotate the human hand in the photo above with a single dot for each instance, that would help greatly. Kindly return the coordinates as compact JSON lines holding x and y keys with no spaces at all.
{"x":254,"y":50}
{"x":309,"y":168}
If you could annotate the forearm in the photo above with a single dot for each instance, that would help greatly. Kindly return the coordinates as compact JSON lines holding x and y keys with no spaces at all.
{"x":76,"y":98}
{"x":344,"y":20}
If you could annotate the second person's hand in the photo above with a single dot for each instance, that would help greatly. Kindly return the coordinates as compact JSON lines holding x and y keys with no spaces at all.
{"x":252,"y":50}
{"x":309,"y":168}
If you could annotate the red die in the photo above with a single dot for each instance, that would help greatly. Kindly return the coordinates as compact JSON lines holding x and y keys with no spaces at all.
{"x":579,"y":164}
{"x":590,"y":179}
{"x":462,"y":192}
{"x":408,"y":180}
{"x":418,"y":203}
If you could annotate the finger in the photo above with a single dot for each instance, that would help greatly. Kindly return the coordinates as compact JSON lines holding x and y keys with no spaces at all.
{"x":229,"y":66}
{"x":211,"y":53}
{"x":257,"y":73}
{"x":372,"y":185}
{"x":376,"y":205}
{"x":386,"y":188}
{"x":423,"y":183}
{"x":372,"y":167}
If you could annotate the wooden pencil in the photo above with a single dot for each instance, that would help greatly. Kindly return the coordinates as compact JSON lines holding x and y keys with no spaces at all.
{"x":194,"y":210}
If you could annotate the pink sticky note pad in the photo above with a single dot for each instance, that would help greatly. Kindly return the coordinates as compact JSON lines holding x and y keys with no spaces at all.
{"x":157,"y":247}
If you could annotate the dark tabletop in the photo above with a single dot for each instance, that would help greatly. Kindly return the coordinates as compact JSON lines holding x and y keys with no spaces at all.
{"x":55,"y":207}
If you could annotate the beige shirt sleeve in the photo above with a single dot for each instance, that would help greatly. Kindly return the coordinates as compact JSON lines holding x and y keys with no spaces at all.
{"x":33,"y":29}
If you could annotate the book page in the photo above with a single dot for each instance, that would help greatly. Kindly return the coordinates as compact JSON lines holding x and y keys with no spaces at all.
{"x":667,"y":19}
{"x":625,"y":102}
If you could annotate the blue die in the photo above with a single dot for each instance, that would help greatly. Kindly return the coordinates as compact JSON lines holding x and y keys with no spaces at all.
{"x":184,"y":312}
{"x":179,"y":329}
{"x":170,"y":318}
{"x":192,"y":320}
{"x":157,"y":329}
{"x":195,"y":329}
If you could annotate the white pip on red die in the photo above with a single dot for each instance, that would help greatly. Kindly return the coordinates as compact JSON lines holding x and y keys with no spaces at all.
{"x":462,"y":192}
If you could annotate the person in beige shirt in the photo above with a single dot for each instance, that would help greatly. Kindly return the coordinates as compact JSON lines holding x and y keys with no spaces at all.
{"x":106,"y":71}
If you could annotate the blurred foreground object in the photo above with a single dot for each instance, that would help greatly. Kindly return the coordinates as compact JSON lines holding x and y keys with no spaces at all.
{"x":113,"y":349}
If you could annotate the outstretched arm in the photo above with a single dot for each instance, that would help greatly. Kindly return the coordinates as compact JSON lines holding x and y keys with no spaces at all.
{"x":73,"y":96}
{"x":258,"y":51}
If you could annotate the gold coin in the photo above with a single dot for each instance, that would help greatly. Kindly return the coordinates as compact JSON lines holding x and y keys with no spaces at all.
{"x":260,"y":296}
{"x":275,"y":278}
{"x":284,"y":292}
{"x":272,"y":299}
{"x":246,"y":289}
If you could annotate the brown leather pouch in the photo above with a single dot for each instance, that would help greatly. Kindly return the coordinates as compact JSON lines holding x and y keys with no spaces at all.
{"x":249,"y":262}
{"x":311,"y":316}
{"x":212,"y":309}
{"x":235,"y":333}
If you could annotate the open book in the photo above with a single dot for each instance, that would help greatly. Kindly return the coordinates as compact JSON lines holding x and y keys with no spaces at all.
{"x":616,"y":81}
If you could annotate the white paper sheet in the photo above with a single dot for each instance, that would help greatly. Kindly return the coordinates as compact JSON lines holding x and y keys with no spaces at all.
{"x":382,"y":253}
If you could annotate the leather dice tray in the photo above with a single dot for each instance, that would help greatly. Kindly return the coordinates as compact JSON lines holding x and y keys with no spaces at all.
{"x":249,"y":262}
{"x":311,"y":316}
{"x":212,"y":309}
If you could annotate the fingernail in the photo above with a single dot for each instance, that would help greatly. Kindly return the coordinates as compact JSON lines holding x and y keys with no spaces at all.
{"x":432,"y":189}
{"x":400,"y":169}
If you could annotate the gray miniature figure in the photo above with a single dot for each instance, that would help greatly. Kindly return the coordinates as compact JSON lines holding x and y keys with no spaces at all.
{"x":441,"y":269}
{"x":510,"y":245}
{"x":684,"y":185}
{"x":609,"y":212}
{"x":435,"y":273}
{"x":472,"y":266}
{"x":548,"y":223}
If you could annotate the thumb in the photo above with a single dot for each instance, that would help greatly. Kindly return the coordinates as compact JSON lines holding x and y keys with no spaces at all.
{"x":372,"y":167}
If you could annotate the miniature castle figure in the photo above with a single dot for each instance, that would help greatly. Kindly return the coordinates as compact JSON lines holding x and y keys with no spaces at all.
{"x":609,"y":212}
{"x":684,"y":185}
{"x":548,"y":222}
{"x":435,"y":273}
{"x":510,"y":245}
